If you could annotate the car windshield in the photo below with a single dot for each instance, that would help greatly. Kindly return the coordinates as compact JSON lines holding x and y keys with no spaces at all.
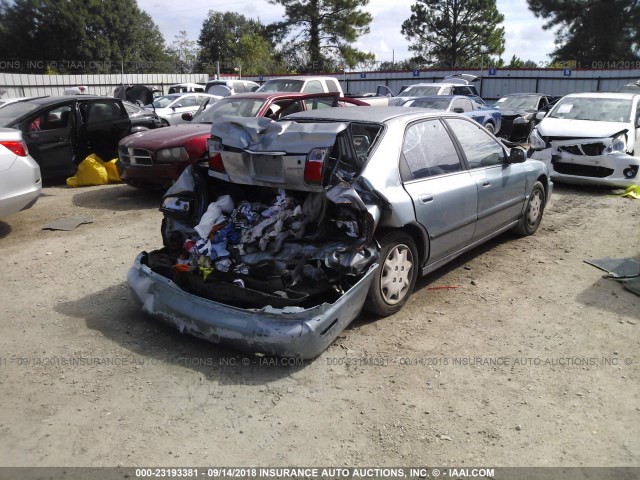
{"x":13,"y":111}
{"x":435,"y":103}
{"x":594,"y":109}
{"x":421,"y":91}
{"x":283,"y":85}
{"x":526,"y":102}
{"x":162,"y":102}
{"x":237,"y":107}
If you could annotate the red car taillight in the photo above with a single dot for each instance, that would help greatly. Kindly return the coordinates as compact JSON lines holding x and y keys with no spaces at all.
{"x":19,"y":147}
{"x":215,"y":157}
{"x":314,"y":166}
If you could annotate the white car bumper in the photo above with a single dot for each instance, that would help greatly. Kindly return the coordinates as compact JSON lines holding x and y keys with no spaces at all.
{"x":20,"y":186}
{"x":614,"y":169}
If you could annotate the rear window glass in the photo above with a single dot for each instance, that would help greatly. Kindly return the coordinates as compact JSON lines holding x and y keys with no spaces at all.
{"x":332,"y":85}
{"x":288,"y":85}
{"x":13,"y":111}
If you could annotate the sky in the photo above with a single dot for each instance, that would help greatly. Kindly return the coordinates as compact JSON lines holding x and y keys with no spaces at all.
{"x":524,"y":35}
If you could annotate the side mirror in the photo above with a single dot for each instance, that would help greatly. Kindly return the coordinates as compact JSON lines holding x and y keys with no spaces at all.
{"x":177,"y":105}
{"x":187,"y":116}
{"x":458,"y":110}
{"x":540,"y":115}
{"x":517,"y":155}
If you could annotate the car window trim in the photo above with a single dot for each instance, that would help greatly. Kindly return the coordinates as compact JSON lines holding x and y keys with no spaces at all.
{"x":461,"y":150}
{"x":454,"y":140}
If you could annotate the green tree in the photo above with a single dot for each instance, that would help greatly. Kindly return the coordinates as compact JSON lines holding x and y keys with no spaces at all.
{"x":184,"y":53}
{"x":454,"y":33}
{"x":82,"y":36}
{"x":254,"y":54}
{"x":592,"y":30}
{"x":324,"y":30}
{"x":220,"y":37}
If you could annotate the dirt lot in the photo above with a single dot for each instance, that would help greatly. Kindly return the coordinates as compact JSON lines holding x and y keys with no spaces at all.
{"x":532,"y":361}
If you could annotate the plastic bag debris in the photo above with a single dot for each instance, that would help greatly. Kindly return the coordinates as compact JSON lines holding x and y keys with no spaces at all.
{"x":214,"y":215}
{"x":94,"y":171}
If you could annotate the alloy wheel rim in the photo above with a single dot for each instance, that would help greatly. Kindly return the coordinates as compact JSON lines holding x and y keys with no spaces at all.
{"x":396,"y":274}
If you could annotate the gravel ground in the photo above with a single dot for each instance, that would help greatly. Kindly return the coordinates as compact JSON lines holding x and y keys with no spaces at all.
{"x":531,"y":361}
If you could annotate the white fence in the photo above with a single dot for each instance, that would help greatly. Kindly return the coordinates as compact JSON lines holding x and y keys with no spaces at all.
{"x":26,"y":85}
{"x":493,"y":84}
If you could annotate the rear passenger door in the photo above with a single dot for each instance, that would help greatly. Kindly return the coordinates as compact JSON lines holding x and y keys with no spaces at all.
{"x":444,"y":194}
{"x":49,"y":137}
{"x":501,"y":186}
{"x":105,"y":124}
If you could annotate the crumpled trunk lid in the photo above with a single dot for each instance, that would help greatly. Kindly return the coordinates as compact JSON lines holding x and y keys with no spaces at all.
{"x":259,"y":151}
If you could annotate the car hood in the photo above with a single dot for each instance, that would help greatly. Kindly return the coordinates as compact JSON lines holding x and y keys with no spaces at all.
{"x":167,"y":136}
{"x":560,"y":127}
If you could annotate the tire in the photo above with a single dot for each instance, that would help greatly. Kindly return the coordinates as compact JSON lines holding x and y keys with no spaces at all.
{"x":395,"y":279}
{"x":530,"y":221}
{"x":490,"y":128}
{"x":164,"y":123}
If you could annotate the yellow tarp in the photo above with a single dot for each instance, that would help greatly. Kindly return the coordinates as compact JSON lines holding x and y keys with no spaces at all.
{"x":631,"y":192}
{"x":94,"y":171}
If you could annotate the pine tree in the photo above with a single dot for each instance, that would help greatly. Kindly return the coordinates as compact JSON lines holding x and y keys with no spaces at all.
{"x":323,"y":31}
{"x":592,"y":32}
{"x":454,"y":33}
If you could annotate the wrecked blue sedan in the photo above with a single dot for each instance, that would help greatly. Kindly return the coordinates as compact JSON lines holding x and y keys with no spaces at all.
{"x":293,"y":227}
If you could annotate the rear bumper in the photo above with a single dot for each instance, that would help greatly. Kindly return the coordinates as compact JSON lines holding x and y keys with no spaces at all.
{"x":21,"y":186}
{"x":286,"y":332}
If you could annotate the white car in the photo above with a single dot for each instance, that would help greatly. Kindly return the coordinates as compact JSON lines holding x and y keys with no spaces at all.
{"x":20,"y":182}
{"x":591,"y":138}
{"x":171,"y":107}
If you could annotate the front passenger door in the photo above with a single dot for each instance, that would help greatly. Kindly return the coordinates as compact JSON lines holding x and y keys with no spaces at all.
{"x":444,"y":194}
{"x":501,"y":186}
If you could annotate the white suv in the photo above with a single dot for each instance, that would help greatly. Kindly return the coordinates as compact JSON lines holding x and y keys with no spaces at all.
{"x":304,"y":84}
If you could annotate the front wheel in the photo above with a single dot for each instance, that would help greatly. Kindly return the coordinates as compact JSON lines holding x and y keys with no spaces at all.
{"x":490,"y":128}
{"x":164,"y":123}
{"x":395,"y":278}
{"x":530,"y":221}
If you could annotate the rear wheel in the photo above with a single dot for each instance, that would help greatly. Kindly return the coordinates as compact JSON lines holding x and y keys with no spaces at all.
{"x":395,"y":278}
{"x":530,"y":221}
{"x":164,"y":122}
{"x":490,"y":128}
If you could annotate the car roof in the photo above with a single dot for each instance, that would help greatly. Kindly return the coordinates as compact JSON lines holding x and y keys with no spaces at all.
{"x":621,"y":95}
{"x":530,"y":94}
{"x":276,"y":95}
{"x":363,"y":114}
{"x":301,"y":77}
{"x":441,"y":97}
{"x":51,"y":100}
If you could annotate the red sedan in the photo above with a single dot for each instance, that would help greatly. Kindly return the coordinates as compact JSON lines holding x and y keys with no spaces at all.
{"x":156,"y":158}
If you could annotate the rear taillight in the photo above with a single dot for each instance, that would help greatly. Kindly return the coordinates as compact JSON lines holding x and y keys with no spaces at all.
{"x":314,"y":166}
{"x":215,"y":156}
{"x":19,"y":147}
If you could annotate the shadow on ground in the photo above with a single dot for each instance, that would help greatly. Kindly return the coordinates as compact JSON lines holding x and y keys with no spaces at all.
{"x":119,"y":198}
{"x":114,"y":314}
{"x":5,"y":229}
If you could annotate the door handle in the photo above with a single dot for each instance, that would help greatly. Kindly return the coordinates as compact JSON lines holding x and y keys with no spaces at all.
{"x":486,"y":183}
{"x":426,"y":198}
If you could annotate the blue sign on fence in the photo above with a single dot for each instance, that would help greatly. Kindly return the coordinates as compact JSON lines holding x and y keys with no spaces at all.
{"x":567,"y":72}
{"x":492,"y":71}
{"x":416,"y":73}
{"x":261,"y":78}
{"x":363,"y":75}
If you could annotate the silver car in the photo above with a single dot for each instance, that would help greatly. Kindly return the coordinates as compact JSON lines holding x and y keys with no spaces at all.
{"x":295,"y":226}
{"x":170,"y":108}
